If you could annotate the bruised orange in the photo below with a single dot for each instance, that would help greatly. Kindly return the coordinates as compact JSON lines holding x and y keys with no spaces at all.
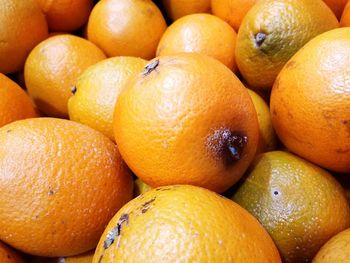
{"x":69,"y":183}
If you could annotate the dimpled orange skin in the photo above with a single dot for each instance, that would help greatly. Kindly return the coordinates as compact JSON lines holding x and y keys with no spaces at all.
{"x":15,"y":104}
{"x":52,"y":69}
{"x":126,"y":27}
{"x":66,"y":15}
{"x":337,"y":6}
{"x":184,"y":224}
{"x":315,"y":124}
{"x":179,"y":8}
{"x":232,"y":11}
{"x":184,"y":112}
{"x":336,"y":250}
{"x":23,"y":26}
{"x":345,"y":18}
{"x":202,"y":33}
{"x":8,"y":255}
{"x":69,"y":183}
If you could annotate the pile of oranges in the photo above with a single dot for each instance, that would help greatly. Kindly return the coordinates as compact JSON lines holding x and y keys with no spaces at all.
{"x":175,"y":131}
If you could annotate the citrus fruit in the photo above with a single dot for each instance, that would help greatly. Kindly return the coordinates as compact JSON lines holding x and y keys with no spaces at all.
{"x":82,"y":258}
{"x":315,"y":124}
{"x":336,"y":250}
{"x":15,"y":104}
{"x":273,"y":31}
{"x":202,"y":33}
{"x":23,"y":26}
{"x":8,"y":255}
{"x":66,"y":15}
{"x":337,"y":6}
{"x":69,"y":183}
{"x":97,"y":89}
{"x":184,"y":224}
{"x":52,"y":69}
{"x":232,"y":11}
{"x":298,"y":203}
{"x":126,"y":27}
{"x":140,"y":187}
{"x":179,"y":8}
{"x":267,"y":137}
{"x":195,"y":118}
{"x":345,"y":18}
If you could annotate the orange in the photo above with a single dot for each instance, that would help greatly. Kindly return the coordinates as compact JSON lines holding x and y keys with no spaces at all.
{"x":201,"y":33}
{"x":66,"y":15}
{"x":15,"y":104}
{"x":140,"y":187}
{"x":337,"y":6}
{"x":298,"y":203}
{"x":315,"y":123}
{"x":52,"y":69}
{"x":179,"y":8}
{"x":336,"y":250}
{"x":23,"y":26}
{"x":345,"y":18}
{"x":184,"y":224}
{"x":69,"y":182}
{"x":97,"y":89}
{"x":267,"y":137}
{"x":7,"y":255}
{"x":192,"y":118}
{"x":126,"y":27}
{"x":82,"y":258}
{"x":273,"y":31}
{"x":232,"y":11}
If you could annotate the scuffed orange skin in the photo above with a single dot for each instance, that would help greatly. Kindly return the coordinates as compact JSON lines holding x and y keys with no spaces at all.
{"x":184,"y":224}
{"x":15,"y":104}
{"x":202,"y":33}
{"x":69,"y":183}
{"x":315,"y":123}
{"x":126,"y":27}
{"x":23,"y":26}
{"x":8,"y":255}
{"x":181,"y":112}
{"x":66,"y":15}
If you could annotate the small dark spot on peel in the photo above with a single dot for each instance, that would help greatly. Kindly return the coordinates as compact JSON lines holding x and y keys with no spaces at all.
{"x":74,"y":90}
{"x":259,"y":38}
{"x":150,"y":67}
{"x":274,"y":112}
{"x":147,"y":205}
{"x":116,"y":231}
{"x":51,"y":192}
{"x":100,"y":259}
{"x":275,"y":193}
{"x":8,"y":131}
{"x":8,"y":256}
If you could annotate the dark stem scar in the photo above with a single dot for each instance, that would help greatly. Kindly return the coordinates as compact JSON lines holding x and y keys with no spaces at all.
{"x":116,"y":231}
{"x":227,"y":145}
{"x":100,"y":259}
{"x":259,"y":38}
{"x":74,"y":90}
{"x":147,"y":205}
{"x":150,"y":67}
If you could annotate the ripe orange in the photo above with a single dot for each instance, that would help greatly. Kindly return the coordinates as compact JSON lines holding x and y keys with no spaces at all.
{"x":23,"y":26}
{"x":184,"y":224}
{"x":267,"y":137}
{"x":52,"y":69}
{"x":192,"y":118}
{"x":66,"y":15}
{"x":310,"y":101}
{"x":336,"y":250}
{"x":337,"y":6}
{"x":345,"y":18}
{"x":273,"y":31}
{"x":201,"y":33}
{"x":126,"y":27}
{"x":69,"y":183}
{"x":15,"y":104}
{"x":232,"y":11}
{"x":97,"y":89}
{"x":179,"y":8}
{"x":82,"y":258}
{"x":7,"y":255}
{"x":298,"y":203}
